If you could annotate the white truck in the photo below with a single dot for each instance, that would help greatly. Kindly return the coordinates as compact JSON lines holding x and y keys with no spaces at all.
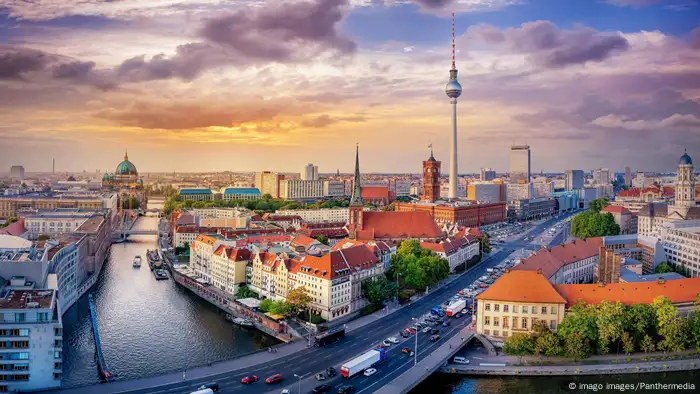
{"x":361,"y":362}
{"x":455,"y":307}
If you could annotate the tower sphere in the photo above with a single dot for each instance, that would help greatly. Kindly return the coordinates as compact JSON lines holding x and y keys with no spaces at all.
{"x":453,"y":89}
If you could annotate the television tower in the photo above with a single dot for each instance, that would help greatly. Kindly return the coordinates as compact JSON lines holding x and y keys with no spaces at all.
{"x":453,"y":90}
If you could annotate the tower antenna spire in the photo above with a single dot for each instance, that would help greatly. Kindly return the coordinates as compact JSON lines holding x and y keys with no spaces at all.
{"x":453,"y":42}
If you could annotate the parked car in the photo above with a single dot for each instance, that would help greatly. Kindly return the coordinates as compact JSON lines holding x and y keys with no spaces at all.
{"x":426,"y":330}
{"x":274,"y":379}
{"x":370,"y":371}
{"x":345,"y":389}
{"x":434,"y":338}
{"x":404,"y":334}
{"x":446,"y":324}
{"x":434,"y":331}
{"x":386,"y":343}
{"x":249,"y":379}
{"x":406,"y":350}
{"x":320,"y":376}
{"x":330,"y":371}
{"x":393,"y":340}
{"x":460,"y":360}
{"x":285,"y":391}
{"x":321,"y":388}
{"x":213,"y":386}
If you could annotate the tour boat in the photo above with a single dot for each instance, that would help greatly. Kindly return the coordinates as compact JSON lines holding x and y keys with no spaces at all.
{"x":242,"y":322}
{"x":137,"y":262}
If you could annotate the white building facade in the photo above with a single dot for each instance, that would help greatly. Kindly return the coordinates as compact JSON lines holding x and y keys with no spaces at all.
{"x":317,"y":215}
{"x":294,"y":189}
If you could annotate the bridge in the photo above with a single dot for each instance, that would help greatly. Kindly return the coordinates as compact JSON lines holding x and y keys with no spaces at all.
{"x":125,"y":229}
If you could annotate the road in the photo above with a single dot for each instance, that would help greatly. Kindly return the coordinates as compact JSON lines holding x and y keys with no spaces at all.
{"x":306,"y":363}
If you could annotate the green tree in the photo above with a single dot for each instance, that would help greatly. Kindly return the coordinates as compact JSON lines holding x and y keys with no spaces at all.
{"x":265,"y":305}
{"x":597,"y":205}
{"x":627,"y":343}
{"x":519,"y":344}
{"x":594,"y":224}
{"x":322,"y":239}
{"x":672,"y":327}
{"x":279,"y":308}
{"x":647,"y":345}
{"x":641,"y":321}
{"x":577,"y":346}
{"x":298,"y":299}
{"x":663,"y":268}
{"x":580,"y":320}
{"x":485,"y":244}
{"x":379,"y":290}
{"x":611,"y":322}
{"x":245,"y":292}
{"x":418,"y":267}
{"x":267,"y":196}
{"x":548,"y":344}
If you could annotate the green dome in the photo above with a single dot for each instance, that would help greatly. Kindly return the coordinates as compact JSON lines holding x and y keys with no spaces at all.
{"x":126,"y":167}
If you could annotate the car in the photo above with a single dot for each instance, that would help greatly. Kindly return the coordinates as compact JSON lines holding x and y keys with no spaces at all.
{"x":410,"y":330}
{"x":274,"y":379}
{"x":446,"y":324}
{"x":434,"y":338}
{"x":249,"y":379}
{"x":426,"y":330}
{"x":285,"y":391}
{"x":330,"y":371}
{"x":406,"y":350}
{"x":458,"y":315}
{"x":404,"y":334}
{"x":321,"y":388}
{"x":386,"y":343}
{"x":320,"y":376}
{"x":393,"y":340}
{"x":434,"y":331}
{"x":380,"y":346}
{"x":460,"y":360}
{"x":213,"y":386}
{"x":345,"y":389}
{"x":370,"y":371}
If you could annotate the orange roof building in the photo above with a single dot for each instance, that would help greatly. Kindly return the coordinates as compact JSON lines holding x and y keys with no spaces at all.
{"x":569,"y":263}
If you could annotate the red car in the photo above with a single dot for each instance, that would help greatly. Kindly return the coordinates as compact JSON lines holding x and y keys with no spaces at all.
{"x":274,"y":378}
{"x":406,"y":350}
{"x":249,"y":379}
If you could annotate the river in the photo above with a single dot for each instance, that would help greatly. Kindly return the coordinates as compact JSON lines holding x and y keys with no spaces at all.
{"x":147,"y":327}
{"x":456,"y":384}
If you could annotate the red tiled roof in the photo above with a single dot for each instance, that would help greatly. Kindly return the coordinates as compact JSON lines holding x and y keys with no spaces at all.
{"x":392,"y":224}
{"x":618,"y":209}
{"x":303,"y":240}
{"x":338,"y":263}
{"x":522,"y":286}
{"x":375,"y":192}
{"x":678,"y":291}
{"x":16,"y":228}
{"x":551,"y":260}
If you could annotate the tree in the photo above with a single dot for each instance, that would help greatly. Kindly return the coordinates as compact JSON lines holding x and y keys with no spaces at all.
{"x":418,"y":267}
{"x":576,"y":346}
{"x":265,"y":305}
{"x":641,"y":322}
{"x":519,"y":344}
{"x":672,"y":326}
{"x":663,"y":268}
{"x":647,"y":345}
{"x":279,"y":308}
{"x":379,"y":290}
{"x":298,"y":299}
{"x":597,"y":205}
{"x":627,"y":343}
{"x":581,"y":320}
{"x":245,"y":292}
{"x":611,"y":322}
{"x":594,"y":224}
{"x":547,"y":344}
{"x":267,"y":196}
{"x":485,"y":244}
{"x":322,"y":239}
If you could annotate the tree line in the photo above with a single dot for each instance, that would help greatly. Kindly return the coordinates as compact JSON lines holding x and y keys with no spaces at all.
{"x":264,"y":205}
{"x":611,"y":326}
{"x":593,"y":223}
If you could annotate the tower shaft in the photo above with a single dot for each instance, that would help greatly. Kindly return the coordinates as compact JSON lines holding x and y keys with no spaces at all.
{"x":453,"y":153}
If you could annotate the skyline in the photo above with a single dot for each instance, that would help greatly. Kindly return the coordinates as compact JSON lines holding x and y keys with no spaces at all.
{"x":586,"y":85}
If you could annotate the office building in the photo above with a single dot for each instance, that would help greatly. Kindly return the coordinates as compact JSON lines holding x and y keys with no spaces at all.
{"x":520,"y":164}
{"x":466,"y":215}
{"x":519,"y":191}
{"x":648,"y":251}
{"x":309,"y":173}
{"x":25,"y":203}
{"x":602,"y":176}
{"x":317,"y":215}
{"x":333,"y":189}
{"x":681,"y":243}
{"x":240,"y":193}
{"x":17,"y":172}
{"x":487,"y":174}
{"x":574,"y":179}
{"x":295,"y":189}
{"x":196,"y":194}
{"x":626,"y":219}
{"x":268,"y":182}
{"x":628,"y":176}
{"x":532,"y":209}
{"x":56,"y":221}
{"x":485,"y":192}
{"x":542,"y":187}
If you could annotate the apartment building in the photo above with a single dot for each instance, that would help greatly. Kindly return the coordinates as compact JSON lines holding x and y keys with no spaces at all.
{"x":317,"y":215}
{"x":228,"y":267}
{"x":56,"y":221}
{"x":456,"y":250}
{"x":295,"y":189}
{"x":681,"y":244}
{"x":14,"y":205}
{"x":574,"y":262}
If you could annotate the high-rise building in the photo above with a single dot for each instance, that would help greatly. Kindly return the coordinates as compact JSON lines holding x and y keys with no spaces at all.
{"x":17,"y":172}
{"x":574,"y":179}
{"x":453,"y":89}
{"x":520,"y":164}
{"x":268,"y":182}
{"x":487,"y":174}
{"x":310,"y":173}
{"x":601,"y":176}
{"x":628,"y":176}
{"x":296,"y":189}
{"x":431,"y":178}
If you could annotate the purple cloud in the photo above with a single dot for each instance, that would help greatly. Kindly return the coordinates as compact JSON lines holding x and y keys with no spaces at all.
{"x":550,"y":46}
{"x":73,"y":70}
{"x":15,"y":62}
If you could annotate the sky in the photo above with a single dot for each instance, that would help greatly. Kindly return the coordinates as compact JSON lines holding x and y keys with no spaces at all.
{"x":251,"y":85}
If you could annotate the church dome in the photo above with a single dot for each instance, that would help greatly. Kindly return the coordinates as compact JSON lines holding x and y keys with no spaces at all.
{"x":126,"y":167}
{"x":685,"y":160}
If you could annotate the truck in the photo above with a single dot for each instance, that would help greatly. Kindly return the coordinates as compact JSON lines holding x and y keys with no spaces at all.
{"x":456,"y":307}
{"x":362,"y":362}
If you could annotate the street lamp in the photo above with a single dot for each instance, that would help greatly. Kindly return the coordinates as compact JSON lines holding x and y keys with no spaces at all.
{"x":299,"y":385}
{"x":415,"y":350}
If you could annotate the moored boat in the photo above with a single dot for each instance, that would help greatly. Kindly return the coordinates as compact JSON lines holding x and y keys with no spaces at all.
{"x":137,"y":262}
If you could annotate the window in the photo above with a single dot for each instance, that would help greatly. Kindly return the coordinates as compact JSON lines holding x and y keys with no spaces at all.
{"x":57,"y":354}
{"x":486,"y":332}
{"x":515,"y":322}
{"x":553,"y":310}
{"x":552,"y":324}
{"x":496,"y":307}
{"x":544,"y":310}
{"x":496,"y":321}
{"x":515,"y":309}
{"x":525,"y":309}
{"x":487,"y":320}
{"x":505,"y":308}
{"x":487,"y":307}
{"x":534,"y":310}
{"x":495,"y":333}
{"x":524,"y":325}
{"x":42,"y":316}
{"x":20,"y":316}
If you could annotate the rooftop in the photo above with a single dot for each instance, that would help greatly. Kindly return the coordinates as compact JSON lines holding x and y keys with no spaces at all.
{"x":630,"y":277}
{"x":678,"y":291}
{"x":195,"y":191}
{"x":522,"y":286}
{"x":241,"y":190}
{"x":552,"y":260}
{"x":381,"y":224}
{"x":14,"y":242}
{"x":91,"y":225}
{"x":26,"y":299}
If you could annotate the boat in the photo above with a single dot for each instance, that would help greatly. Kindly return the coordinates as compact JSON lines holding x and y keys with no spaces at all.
{"x":154,"y":261}
{"x":242,"y":322}
{"x":137,"y":262}
{"x":160,"y":274}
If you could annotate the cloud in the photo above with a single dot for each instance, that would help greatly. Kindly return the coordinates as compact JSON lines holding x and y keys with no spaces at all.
{"x":73,"y":70}
{"x":325,"y":120}
{"x":433,"y":4}
{"x":633,"y":3}
{"x":551,"y":47}
{"x":16,"y":62}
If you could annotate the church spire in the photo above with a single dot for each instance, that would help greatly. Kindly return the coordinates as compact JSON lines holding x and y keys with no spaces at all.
{"x":356,"y":198}
{"x":126,"y":155}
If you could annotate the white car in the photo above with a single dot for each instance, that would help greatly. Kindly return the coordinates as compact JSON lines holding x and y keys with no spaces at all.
{"x":464,"y":311}
{"x":426,"y":330}
{"x":370,"y":371}
{"x":284,"y":391}
{"x":386,"y":343}
{"x":393,"y":340}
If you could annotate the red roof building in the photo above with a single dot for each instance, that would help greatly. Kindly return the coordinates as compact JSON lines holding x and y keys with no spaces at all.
{"x":377,"y":195}
{"x":395,"y":226}
{"x":569,"y":263}
{"x":16,"y":228}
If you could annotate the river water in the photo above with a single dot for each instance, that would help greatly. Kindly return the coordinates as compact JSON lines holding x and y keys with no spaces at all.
{"x":147,"y":327}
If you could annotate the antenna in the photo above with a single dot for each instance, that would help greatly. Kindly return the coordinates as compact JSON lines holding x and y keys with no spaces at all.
{"x":453,"y":41}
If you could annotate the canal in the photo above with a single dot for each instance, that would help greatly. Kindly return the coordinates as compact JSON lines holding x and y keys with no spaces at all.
{"x":147,"y":327}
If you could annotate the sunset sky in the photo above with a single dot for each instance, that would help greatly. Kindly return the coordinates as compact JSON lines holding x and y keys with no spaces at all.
{"x":246,"y":85}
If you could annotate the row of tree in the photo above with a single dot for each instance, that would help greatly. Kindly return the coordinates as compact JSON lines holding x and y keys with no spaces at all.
{"x":417,"y":267}
{"x":298,"y":300}
{"x":593,"y":223}
{"x":664,"y":268}
{"x":587,"y":329}
{"x":266,"y":204}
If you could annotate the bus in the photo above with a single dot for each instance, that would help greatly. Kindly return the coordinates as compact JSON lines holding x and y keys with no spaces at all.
{"x":331,"y":336}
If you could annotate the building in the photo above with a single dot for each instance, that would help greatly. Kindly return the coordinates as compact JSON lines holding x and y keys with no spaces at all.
{"x":228,"y":268}
{"x":383,"y":250}
{"x":17,"y":172}
{"x":542,"y":187}
{"x":626,"y":219}
{"x":602,"y":176}
{"x":485,"y":192}
{"x":16,"y":205}
{"x":629,"y":276}
{"x":124,"y":176}
{"x":431,"y":179}
{"x":628,"y":176}
{"x":456,"y":250}
{"x":514,"y":302}
{"x":532,"y":209}
{"x":309,"y":173}
{"x":333,"y":189}
{"x":608,"y":268}
{"x":573,"y":179}
{"x":56,"y":221}
{"x":573,"y":262}
{"x":567,"y":201}
{"x":317,"y":215}
{"x":487,"y":174}
{"x":519,"y":191}
{"x":681,"y":243}
{"x":240,"y":193}
{"x":32,"y":351}
{"x":453,"y":89}
{"x":520,"y":164}
{"x":202,"y":254}
{"x":647,"y":250}
{"x":268,"y":182}
{"x":466,"y":215}
{"x":196,"y":194}
{"x":380,"y":196}
{"x":295,"y":189}
{"x":653,"y":193}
